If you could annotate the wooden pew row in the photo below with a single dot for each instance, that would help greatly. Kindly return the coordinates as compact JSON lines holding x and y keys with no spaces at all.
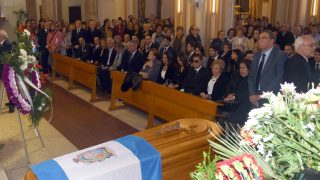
{"x":75,"y":70}
{"x":161,"y":101}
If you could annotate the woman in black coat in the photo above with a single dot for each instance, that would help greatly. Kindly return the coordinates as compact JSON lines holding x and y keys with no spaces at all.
{"x":217,"y":83}
{"x":238,"y":93}
{"x":168,"y":71}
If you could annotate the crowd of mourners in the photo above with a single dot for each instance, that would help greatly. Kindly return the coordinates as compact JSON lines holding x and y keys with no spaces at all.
{"x":240,"y":63}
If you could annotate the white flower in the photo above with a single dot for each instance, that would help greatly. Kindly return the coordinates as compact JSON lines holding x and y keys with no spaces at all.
{"x":24,"y":66}
{"x":310,"y":126}
{"x":256,"y":138}
{"x":40,"y":108}
{"x":266,"y":95}
{"x":250,"y":124}
{"x":23,"y":52}
{"x":32,"y":59}
{"x":268,"y":138}
{"x":26,"y":32}
{"x":288,"y":88}
{"x":260,"y":148}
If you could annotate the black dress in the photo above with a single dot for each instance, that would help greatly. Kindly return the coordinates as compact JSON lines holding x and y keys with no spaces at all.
{"x":239,"y":112}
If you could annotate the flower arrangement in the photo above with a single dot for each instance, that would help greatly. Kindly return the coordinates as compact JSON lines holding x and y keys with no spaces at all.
{"x":283,"y":135}
{"x":21,"y":77}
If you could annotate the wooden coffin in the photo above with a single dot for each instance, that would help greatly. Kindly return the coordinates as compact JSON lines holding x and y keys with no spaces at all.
{"x":180,"y":144}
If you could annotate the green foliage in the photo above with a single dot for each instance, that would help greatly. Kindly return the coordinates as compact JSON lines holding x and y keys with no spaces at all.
{"x":21,"y":16}
{"x":41,"y":104}
{"x":205,"y":170}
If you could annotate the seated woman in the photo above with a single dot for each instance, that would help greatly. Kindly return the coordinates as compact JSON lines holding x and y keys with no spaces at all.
{"x":238,"y":95}
{"x":168,"y":71}
{"x":217,"y":83}
{"x":151,"y":69}
{"x":233,"y":64}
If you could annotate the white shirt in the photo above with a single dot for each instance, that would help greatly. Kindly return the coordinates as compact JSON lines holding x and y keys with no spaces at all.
{"x":211,"y":83}
{"x":267,"y":53}
{"x":197,"y":70}
{"x":109,"y":57}
{"x":163,"y":73}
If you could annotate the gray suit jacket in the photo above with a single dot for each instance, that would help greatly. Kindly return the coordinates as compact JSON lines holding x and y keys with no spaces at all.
{"x":272,"y":73}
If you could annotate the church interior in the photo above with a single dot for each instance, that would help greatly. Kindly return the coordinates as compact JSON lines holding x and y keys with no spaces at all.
{"x":159,"y":89}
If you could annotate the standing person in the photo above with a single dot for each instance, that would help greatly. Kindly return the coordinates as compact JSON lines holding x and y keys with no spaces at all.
{"x":76,"y":34}
{"x":54,"y":40}
{"x":194,"y":36}
{"x":218,"y":42}
{"x":42,"y":40}
{"x":267,"y":68}
{"x":66,"y":47}
{"x":297,"y":69}
{"x":179,"y":41}
{"x":315,"y":66}
{"x":284,"y":36}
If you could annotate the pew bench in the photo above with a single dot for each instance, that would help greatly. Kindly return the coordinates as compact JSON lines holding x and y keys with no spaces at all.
{"x":76,"y":70}
{"x":161,"y":101}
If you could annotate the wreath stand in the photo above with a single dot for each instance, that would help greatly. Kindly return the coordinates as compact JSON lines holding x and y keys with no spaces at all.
{"x":21,"y":129}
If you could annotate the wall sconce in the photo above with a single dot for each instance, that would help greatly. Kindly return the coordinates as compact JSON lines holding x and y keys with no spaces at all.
{"x":197,"y":2}
{"x":314,"y":7}
{"x":213,"y":9}
{"x":179,"y":6}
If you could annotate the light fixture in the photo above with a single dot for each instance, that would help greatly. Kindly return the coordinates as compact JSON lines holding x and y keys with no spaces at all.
{"x":213,"y":9}
{"x":197,"y":2}
{"x":314,"y":7}
{"x":179,"y":6}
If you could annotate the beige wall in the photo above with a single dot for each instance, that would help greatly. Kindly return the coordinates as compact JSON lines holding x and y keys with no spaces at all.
{"x":167,"y":9}
{"x":10,"y":6}
{"x":266,"y":8}
{"x":151,"y":7}
{"x":67,"y":3}
{"x":111,"y":9}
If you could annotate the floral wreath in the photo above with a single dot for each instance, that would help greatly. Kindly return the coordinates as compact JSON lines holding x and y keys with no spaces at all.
{"x":22,"y":80}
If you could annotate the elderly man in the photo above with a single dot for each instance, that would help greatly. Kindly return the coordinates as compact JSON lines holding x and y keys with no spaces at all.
{"x":297,"y":69}
{"x":284,"y":36}
{"x":266,"y":71}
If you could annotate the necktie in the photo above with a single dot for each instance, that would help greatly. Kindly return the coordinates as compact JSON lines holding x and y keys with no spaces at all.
{"x":317,"y":67}
{"x":131,"y":57}
{"x":259,"y":72}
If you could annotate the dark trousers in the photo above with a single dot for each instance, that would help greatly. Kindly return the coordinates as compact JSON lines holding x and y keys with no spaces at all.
{"x":44,"y":60}
{"x":105,"y":80}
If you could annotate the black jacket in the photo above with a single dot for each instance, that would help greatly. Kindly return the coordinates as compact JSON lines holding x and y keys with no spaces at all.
{"x":171,"y":74}
{"x":298,"y":71}
{"x":196,"y":82}
{"x":75,"y":36}
{"x":105,"y":56}
{"x":219,"y":88}
{"x":135,"y":64}
{"x":91,"y":34}
{"x":84,"y":52}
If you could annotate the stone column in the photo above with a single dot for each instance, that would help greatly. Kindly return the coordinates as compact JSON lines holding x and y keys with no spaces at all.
{"x":141,"y":10}
{"x":91,"y":9}
{"x":31,"y":9}
{"x":47,"y":9}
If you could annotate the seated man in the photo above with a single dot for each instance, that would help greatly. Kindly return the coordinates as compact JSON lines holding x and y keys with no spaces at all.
{"x":132,"y":60}
{"x":95,"y":51}
{"x":197,"y":77}
{"x":83,"y":51}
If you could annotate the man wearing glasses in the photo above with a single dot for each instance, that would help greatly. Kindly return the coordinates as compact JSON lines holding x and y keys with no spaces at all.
{"x":197,"y":77}
{"x":297,"y":69}
{"x":266,"y":71}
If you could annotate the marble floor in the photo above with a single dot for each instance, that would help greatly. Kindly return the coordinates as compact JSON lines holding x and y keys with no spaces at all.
{"x":12,"y":157}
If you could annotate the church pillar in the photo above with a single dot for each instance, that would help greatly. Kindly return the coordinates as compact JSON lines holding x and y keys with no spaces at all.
{"x":91,"y":9}
{"x":141,"y":10}
{"x":47,"y":9}
{"x":31,"y":9}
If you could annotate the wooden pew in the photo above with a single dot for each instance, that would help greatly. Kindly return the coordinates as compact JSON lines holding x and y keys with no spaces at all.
{"x":75,"y":70}
{"x":161,"y":101}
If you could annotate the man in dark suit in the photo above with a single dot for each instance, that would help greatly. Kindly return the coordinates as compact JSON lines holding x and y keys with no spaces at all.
{"x":197,"y":77}
{"x":133,"y":60}
{"x":83,"y":50}
{"x":76,"y":33}
{"x":167,"y":48}
{"x":42,"y":40}
{"x":107,"y":60}
{"x":95,"y":51}
{"x":297,"y":69}
{"x":149,"y":45}
{"x":284,"y":37}
{"x":93,"y":32}
{"x":315,"y":66}
{"x":266,"y":71}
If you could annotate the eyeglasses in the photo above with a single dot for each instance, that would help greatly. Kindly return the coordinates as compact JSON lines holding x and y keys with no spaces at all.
{"x":311,"y":45}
